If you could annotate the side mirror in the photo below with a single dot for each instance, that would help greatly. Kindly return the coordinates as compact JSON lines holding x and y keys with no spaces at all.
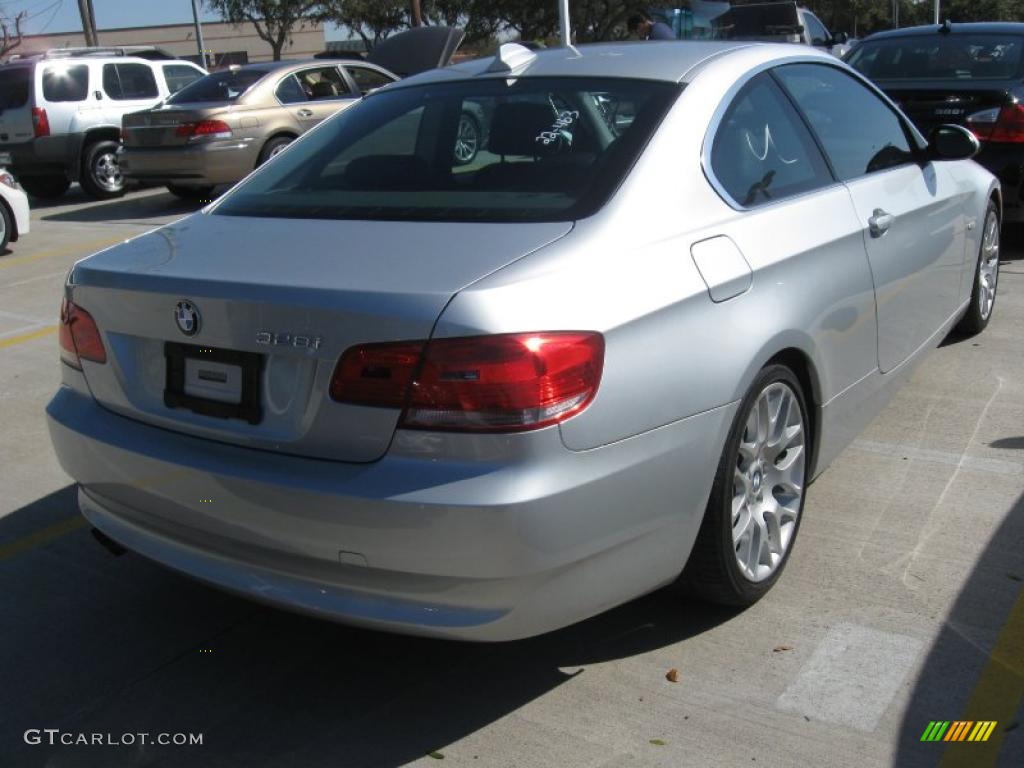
{"x":840,"y":38}
{"x":953,"y":142}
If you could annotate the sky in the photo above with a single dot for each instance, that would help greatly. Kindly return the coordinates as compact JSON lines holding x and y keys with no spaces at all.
{"x":62,"y":15}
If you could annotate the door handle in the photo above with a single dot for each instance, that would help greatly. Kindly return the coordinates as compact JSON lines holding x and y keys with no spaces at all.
{"x":305,"y":112}
{"x":880,"y":222}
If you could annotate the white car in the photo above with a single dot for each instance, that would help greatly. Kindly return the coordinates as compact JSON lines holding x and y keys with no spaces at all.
{"x":60,"y":112}
{"x":14,"y":209}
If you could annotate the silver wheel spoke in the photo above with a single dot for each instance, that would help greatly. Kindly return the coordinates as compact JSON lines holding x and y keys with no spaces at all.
{"x":768,"y":481}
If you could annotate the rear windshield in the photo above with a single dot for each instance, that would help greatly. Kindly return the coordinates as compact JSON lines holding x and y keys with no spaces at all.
{"x":527,"y":149}
{"x":14,"y":86}
{"x":940,"y":57}
{"x":218,"y":86}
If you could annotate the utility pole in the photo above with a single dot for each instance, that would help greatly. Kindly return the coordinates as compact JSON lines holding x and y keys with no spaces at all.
{"x":937,"y":4}
{"x":563,"y":23}
{"x":87,"y":28}
{"x":417,"y":13}
{"x":199,"y":35}
{"x":92,"y":24}
{"x":895,"y":14}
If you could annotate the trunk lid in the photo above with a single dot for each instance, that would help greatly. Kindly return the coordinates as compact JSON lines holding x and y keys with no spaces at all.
{"x":16,"y":104}
{"x":312,"y":288}
{"x":930,"y":106}
{"x":158,"y":127}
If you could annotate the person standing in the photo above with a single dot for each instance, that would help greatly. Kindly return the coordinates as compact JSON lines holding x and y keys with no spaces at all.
{"x":646,"y":28}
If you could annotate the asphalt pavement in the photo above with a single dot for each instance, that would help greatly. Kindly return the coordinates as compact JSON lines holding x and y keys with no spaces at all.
{"x":902,"y":605}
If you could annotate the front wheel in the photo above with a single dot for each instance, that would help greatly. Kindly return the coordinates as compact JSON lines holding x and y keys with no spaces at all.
{"x":757,"y":500}
{"x":6,"y":226}
{"x":467,"y":140}
{"x":101,"y":171}
{"x":986,"y":278}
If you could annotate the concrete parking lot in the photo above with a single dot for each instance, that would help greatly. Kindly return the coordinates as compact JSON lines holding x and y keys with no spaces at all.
{"x":902,"y":605}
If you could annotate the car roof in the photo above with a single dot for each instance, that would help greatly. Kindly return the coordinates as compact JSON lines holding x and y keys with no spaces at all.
{"x":966,"y":28}
{"x":674,"y":61}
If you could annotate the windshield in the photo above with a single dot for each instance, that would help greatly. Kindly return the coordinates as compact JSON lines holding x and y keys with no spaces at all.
{"x":218,"y":86}
{"x":14,"y":86}
{"x":498,"y":149}
{"x":940,"y":57}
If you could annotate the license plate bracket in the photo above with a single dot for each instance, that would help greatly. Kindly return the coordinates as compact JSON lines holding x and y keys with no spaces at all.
{"x":181,"y":360}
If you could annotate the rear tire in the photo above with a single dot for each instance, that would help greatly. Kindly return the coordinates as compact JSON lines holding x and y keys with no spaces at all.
{"x":192,"y":193}
{"x":101,"y":173}
{"x":44,"y":187}
{"x":756,"y":503}
{"x":273,"y":147}
{"x":7,"y":223}
{"x":986,"y":278}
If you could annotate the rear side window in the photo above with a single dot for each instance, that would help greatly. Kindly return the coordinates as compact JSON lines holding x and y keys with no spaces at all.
{"x":323,"y":83}
{"x":762,"y":151}
{"x":859,"y":132}
{"x":178,"y":76}
{"x":541,"y":149}
{"x":940,"y":57}
{"x":290,"y":92}
{"x":123,"y":82}
{"x":816,"y":30}
{"x":367,"y":79}
{"x":64,"y":83}
{"x":14,"y":83}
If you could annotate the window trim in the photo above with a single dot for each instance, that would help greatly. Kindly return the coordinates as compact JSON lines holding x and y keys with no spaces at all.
{"x":727,"y":99}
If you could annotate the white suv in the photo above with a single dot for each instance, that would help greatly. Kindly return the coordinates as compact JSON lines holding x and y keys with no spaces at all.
{"x":60,"y":113}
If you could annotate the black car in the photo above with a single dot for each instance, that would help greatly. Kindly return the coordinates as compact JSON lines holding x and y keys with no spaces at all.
{"x":969,"y":74}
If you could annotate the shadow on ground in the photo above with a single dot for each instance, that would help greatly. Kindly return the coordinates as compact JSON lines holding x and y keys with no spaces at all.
{"x":960,"y":653}
{"x":91,"y":643}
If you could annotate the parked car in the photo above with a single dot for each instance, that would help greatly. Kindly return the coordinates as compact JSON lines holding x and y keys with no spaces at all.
{"x":968,"y":74}
{"x":221,"y":127}
{"x":60,"y":113}
{"x":484,"y":401}
{"x":14,"y":208}
{"x":778,"y":21}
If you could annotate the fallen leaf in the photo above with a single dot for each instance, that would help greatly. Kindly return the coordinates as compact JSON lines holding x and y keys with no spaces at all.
{"x":672,"y":675}
{"x":658,"y":742}
{"x":436,"y":755}
{"x":781,"y":648}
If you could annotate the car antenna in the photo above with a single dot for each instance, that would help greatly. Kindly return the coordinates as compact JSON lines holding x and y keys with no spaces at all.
{"x":510,"y":57}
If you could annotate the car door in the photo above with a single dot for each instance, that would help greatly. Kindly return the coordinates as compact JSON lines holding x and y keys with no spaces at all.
{"x":327,"y":91}
{"x":911,"y":211}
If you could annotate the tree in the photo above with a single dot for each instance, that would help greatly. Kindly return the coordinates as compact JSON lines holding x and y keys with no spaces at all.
{"x":274,"y":19}
{"x":10,"y":28}
{"x":372,"y":20}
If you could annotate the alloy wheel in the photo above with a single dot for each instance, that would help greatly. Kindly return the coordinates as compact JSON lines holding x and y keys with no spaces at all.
{"x":988,"y":269}
{"x":467,"y":140}
{"x":768,"y":482}
{"x":107,"y":172}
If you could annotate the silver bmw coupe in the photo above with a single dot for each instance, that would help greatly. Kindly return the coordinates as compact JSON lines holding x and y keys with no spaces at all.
{"x":485,"y":400}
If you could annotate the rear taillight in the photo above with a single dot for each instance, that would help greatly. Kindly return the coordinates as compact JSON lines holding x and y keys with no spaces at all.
{"x":205,"y":129}
{"x":40,"y":122}
{"x":502,"y":383}
{"x":79,"y":336}
{"x":1004,"y":125}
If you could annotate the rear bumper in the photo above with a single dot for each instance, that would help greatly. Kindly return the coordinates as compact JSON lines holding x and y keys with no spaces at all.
{"x":46,"y":156}
{"x":219,"y":162}
{"x":1006,"y":161}
{"x":510,"y":539}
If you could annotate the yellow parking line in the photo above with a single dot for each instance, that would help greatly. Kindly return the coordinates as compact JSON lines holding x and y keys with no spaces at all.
{"x":37,"y":334}
{"x":996,"y":695}
{"x":84,"y":248}
{"x":40,"y":537}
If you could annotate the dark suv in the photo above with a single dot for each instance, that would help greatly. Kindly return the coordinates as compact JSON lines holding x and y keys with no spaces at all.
{"x":969,"y":74}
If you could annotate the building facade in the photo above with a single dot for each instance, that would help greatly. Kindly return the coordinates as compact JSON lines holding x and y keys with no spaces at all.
{"x":224,"y":43}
